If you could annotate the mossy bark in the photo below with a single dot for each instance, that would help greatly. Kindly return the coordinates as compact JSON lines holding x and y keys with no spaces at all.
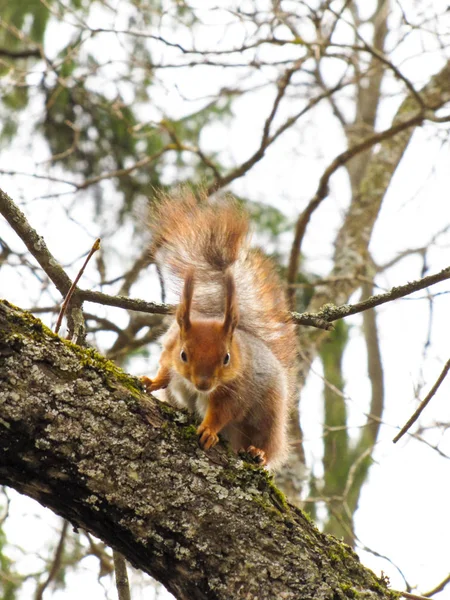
{"x":80,"y":437}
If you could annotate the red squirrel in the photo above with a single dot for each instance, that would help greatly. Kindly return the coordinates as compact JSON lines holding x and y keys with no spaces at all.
{"x":229,"y":356}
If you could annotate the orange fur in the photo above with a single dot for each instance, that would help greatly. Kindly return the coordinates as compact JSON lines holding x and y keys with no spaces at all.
{"x":230,"y":353}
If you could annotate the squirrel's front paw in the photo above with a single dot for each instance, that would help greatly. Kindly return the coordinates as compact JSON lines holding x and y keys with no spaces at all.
{"x":207,"y":439}
{"x":146,"y":382}
{"x":151,"y":385}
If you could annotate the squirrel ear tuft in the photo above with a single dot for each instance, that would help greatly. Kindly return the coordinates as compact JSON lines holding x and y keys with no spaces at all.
{"x":184,"y":308}
{"x":231,"y":309}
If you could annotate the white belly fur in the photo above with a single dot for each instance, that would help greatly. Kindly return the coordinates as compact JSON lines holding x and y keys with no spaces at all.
{"x":187,"y":396}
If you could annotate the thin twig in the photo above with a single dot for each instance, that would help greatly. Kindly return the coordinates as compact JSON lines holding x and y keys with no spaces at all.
{"x":412,"y":596}
{"x":424,"y":402}
{"x":438,"y":588}
{"x":65,"y":304}
{"x":56,"y":564}
{"x":25,"y":53}
{"x":122,"y":585}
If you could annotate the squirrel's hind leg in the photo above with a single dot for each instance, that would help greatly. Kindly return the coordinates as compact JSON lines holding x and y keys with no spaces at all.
{"x":256,"y":453}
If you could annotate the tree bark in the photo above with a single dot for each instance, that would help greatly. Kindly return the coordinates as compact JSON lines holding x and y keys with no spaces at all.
{"x":79,"y":436}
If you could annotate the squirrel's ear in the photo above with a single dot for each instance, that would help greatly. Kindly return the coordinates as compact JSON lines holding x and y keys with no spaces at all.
{"x":231,"y":309}
{"x":184,"y":308}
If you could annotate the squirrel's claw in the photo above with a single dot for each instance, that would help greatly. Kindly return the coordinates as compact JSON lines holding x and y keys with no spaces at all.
{"x":207,"y":439}
{"x":258,"y":454}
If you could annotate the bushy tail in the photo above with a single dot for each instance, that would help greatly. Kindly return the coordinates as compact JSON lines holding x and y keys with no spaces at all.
{"x":211,"y":237}
{"x":190,"y":233}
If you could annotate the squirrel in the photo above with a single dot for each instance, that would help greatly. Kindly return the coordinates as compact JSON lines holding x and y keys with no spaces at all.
{"x":230,"y":353}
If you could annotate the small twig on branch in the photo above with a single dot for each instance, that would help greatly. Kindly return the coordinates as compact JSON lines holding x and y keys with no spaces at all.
{"x":67,"y":299}
{"x":244,"y":167}
{"x":310,"y":319}
{"x":424,"y":402}
{"x":122,"y":585}
{"x":99,"y":550}
{"x":56,"y":564}
{"x":438,"y":588}
{"x":412,"y":596}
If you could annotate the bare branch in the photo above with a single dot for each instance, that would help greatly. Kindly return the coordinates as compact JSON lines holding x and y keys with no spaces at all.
{"x":244,"y":167}
{"x":56,"y":564}
{"x":35,"y":243}
{"x":438,"y":588}
{"x":122,"y":585}
{"x":67,"y":299}
{"x":124,"y":302}
{"x":321,"y":320}
{"x":374,"y":368}
{"x":412,"y":596}
{"x":25,"y":53}
{"x":424,"y":402}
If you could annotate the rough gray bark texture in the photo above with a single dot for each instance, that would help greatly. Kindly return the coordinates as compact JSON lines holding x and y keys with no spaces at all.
{"x":80,"y":437}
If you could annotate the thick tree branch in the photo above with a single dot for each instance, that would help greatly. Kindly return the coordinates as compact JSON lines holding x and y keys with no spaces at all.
{"x":79,"y":436}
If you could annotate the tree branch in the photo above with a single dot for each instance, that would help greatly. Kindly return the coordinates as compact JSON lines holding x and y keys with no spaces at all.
{"x":330,"y":313}
{"x":35,"y":243}
{"x":122,"y":585}
{"x":79,"y":436}
{"x":25,"y":53}
{"x":424,"y":402}
{"x":438,"y":588}
{"x":56,"y":563}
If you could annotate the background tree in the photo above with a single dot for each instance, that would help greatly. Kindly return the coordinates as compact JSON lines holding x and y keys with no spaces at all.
{"x":103,"y":102}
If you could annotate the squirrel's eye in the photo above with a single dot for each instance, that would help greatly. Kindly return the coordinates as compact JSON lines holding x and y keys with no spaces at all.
{"x":183,"y":356}
{"x":226,"y":360}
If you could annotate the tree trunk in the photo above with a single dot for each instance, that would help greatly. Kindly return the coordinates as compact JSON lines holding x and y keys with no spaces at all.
{"x":80,"y":437}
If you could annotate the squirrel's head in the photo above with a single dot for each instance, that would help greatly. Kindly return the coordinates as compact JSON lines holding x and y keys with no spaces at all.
{"x":207,"y":355}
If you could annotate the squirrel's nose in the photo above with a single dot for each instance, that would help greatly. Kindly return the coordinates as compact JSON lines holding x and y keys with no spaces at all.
{"x":203,"y":383}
